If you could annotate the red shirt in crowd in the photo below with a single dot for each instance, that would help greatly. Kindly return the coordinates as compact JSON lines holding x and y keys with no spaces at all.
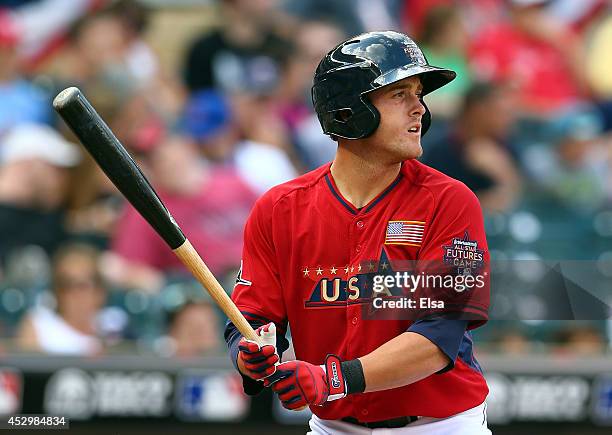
{"x":541,"y":72}
{"x":213,"y":220}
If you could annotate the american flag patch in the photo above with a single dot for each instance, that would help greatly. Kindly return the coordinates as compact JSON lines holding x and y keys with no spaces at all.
{"x":405,"y":233}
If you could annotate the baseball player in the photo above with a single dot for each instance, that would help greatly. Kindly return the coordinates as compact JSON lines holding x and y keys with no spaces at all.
{"x":314,"y":245}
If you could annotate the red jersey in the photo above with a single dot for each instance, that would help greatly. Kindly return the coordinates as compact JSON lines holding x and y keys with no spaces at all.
{"x":302,"y":235}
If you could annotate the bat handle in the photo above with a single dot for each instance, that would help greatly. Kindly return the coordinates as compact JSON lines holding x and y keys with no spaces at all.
{"x":192,"y":260}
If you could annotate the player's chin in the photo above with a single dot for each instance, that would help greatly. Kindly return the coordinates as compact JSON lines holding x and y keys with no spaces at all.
{"x":412,"y":149}
{"x":418,"y":152}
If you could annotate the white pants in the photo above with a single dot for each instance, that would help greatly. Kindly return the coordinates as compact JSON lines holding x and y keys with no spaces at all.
{"x":470,"y":422}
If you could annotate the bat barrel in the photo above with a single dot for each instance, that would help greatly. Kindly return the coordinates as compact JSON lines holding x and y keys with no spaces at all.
{"x":116,"y":163}
{"x":119,"y":166}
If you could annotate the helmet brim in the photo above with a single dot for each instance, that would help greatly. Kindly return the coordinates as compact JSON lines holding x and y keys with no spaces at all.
{"x":432,"y":77}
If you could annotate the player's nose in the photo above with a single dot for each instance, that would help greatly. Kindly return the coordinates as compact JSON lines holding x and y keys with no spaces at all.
{"x":417,"y":107}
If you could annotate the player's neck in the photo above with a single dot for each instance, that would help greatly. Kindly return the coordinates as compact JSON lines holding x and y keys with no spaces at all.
{"x":360,"y":180}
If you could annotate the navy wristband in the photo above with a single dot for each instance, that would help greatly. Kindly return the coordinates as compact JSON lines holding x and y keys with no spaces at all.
{"x":353,"y":376}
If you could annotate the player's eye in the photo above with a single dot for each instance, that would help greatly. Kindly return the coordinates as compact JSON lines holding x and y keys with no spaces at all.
{"x":398,"y":94}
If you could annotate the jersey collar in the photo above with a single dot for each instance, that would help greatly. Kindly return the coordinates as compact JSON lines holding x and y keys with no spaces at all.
{"x":331,"y":184}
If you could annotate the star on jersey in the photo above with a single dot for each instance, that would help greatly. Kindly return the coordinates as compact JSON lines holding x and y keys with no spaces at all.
{"x":334,"y":291}
{"x":239,"y":279}
{"x":319,"y":270}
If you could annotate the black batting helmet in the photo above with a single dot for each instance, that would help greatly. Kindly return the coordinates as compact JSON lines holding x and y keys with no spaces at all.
{"x":361,"y":64}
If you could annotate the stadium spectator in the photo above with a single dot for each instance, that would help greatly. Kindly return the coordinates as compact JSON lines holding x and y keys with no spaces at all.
{"x":35,"y":163}
{"x":475,"y":13}
{"x":542,"y":56}
{"x":140,"y":59}
{"x":574,"y":166}
{"x":580,"y":339}
{"x":79,"y":296}
{"x":96,"y":60}
{"x":243,"y":60}
{"x":513,"y":343}
{"x":160,"y":89}
{"x":579,"y":15}
{"x":44,"y":24}
{"x":312,"y":38}
{"x":97,"y":51}
{"x":476,"y":149}
{"x":413,"y":14}
{"x":313,"y":146}
{"x":259,"y":122}
{"x":210,"y":121}
{"x":244,"y":52}
{"x":210,"y":203}
{"x":94,"y":205}
{"x":350,"y":16}
{"x":20,"y":101}
{"x":194,"y":330}
{"x":445,"y":42}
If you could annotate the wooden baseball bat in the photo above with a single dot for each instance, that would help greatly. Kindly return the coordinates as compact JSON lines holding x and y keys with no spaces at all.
{"x":119,"y":166}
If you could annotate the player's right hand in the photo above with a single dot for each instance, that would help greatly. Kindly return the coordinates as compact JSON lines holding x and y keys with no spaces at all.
{"x":259,"y":361}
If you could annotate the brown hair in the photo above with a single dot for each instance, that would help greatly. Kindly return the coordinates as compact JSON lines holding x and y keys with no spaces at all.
{"x":435,"y":20}
{"x":73,"y":248}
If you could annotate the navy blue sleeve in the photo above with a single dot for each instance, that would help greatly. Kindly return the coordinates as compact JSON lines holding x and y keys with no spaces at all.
{"x":232,"y":338}
{"x":446,"y":334}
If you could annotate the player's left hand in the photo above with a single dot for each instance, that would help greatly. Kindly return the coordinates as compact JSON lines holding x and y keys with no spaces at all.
{"x":259,"y":359}
{"x":299,"y":383}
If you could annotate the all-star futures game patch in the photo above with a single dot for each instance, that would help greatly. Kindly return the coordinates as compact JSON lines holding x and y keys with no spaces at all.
{"x":464,"y":254}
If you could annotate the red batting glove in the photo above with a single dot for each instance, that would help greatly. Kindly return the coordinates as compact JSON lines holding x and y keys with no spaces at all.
{"x":299,"y":383}
{"x":259,"y":361}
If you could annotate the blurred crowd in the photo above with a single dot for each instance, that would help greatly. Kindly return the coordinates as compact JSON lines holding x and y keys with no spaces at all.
{"x":526,"y":125}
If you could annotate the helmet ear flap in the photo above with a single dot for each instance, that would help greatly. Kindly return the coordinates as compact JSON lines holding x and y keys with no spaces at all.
{"x":343,"y":115}
{"x":425,"y":119}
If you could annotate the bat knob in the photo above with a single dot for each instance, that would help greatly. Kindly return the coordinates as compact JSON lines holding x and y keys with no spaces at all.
{"x":65,"y":97}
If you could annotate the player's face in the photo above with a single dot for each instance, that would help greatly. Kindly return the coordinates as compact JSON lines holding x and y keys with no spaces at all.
{"x":398,"y":136}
